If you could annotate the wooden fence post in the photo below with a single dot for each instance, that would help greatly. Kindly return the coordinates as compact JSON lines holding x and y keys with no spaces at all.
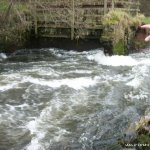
{"x":113,"y":4}
{"x":73,"y":20}
{"x":138,"y":8}
{"x":35,"y":18}
{"x":105,"y":7}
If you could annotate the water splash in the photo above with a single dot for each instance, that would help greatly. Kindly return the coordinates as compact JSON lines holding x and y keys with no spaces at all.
{"x":2,"y":56}
{"x":100,"y":58}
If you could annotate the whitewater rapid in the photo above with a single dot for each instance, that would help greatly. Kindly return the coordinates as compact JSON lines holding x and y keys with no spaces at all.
{"x":71,"y":100}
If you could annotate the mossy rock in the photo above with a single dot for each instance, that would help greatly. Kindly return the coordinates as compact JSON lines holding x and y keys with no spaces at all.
{"x":119,"y":48}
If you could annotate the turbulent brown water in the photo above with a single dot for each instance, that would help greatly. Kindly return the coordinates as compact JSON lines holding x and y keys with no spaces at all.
{"x":51,"y":99}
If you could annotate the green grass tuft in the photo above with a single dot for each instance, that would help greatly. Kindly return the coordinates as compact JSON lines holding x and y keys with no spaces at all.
{"x":3,"y":5}
{"x":146,"y":20}
{"x":119,"y":48}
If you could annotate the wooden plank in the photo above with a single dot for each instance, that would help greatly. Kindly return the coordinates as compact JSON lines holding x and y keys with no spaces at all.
{"x":54,"y":26}
{"x":73,"y":20}
{"x":35,"y":19}
{"x":89,"y":24}
{"x":105,"y":7}
{"x":55,"y":36}
{"x":93,"y":15}
{"x":90,"y":27}
{"x":113,"y":4}
{"x":68,"y":27}
{"x":127,"y":2}
{"x":127,"y":10}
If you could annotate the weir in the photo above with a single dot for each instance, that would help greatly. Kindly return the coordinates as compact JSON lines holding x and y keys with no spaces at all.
{"x":75,"y":19}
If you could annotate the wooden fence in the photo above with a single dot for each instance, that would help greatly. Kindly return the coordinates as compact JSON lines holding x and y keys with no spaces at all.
{"x":75,"y":18}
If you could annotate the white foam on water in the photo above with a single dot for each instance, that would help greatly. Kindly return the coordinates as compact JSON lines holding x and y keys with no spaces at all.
{"x":75,"y":83}
{"x":59,"y":134}
{"x":144,"y":62}
{"x":135,"y":82}
{"x":38,"y":130}
{"x":80,"y":71}
{"x":8,"y":86}
{"x":141,"y":95}
{"x":116,"y":60}
{"x":100,"y":58}
{"x":138,"y":73}
{"x":10,"y":81}
{"x":13,"y":80}
{"x":47,"y":119}
{"x":39,"y":127}
{"x":3,"y":56}
{"x":140,"y":67}
{"x":48,"y":71}
{"x":35,"y":144}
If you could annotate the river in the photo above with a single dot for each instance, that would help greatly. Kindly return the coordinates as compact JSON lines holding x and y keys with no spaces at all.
{"x":52,"y":99}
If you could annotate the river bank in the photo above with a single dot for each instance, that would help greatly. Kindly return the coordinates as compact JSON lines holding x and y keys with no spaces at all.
{"x":17,"y":32}
{"x":10,"y":41}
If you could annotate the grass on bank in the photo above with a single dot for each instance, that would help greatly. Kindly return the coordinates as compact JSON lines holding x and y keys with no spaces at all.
{"x":121,"y":23}
{"x":3,"y":6}
{"x":13,"y":24}
{"x":146,"y":20}
{"x":21,"y":6}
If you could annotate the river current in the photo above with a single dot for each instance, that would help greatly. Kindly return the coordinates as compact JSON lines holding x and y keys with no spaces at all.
{"x":52,"y":99}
